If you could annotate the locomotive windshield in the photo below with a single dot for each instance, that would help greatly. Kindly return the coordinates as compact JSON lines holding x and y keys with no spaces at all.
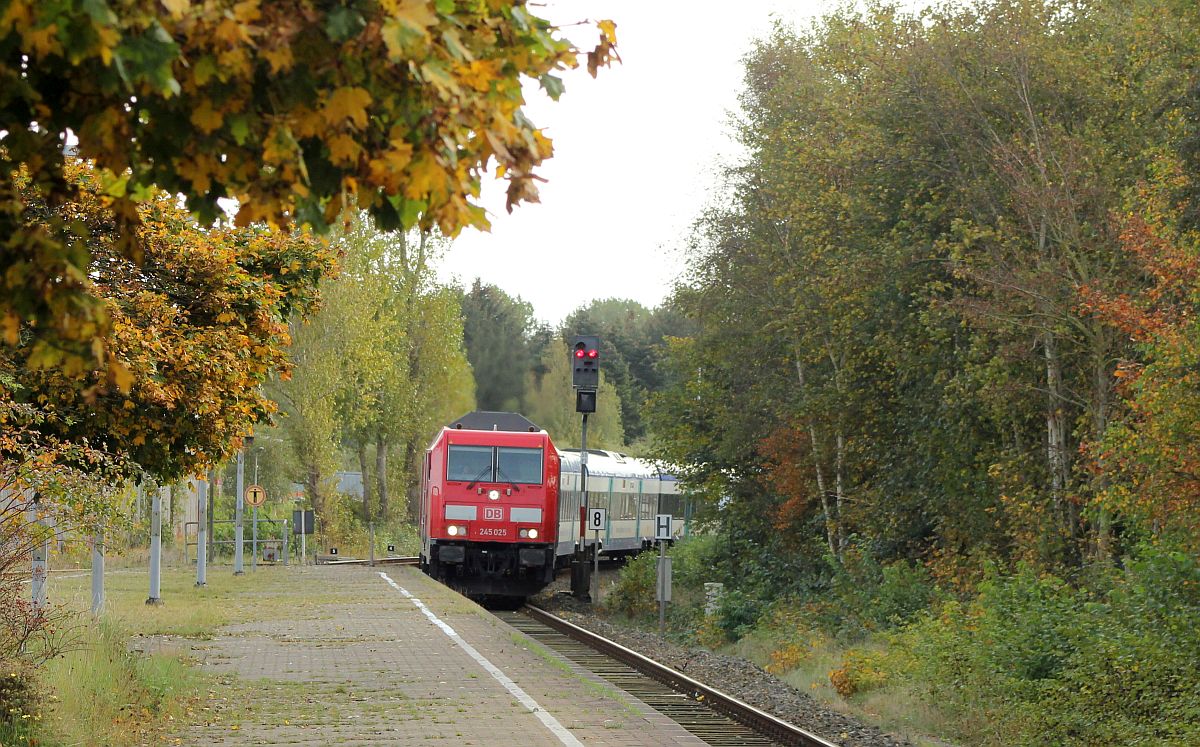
{"x":522,"y":466}
{"x":469,"y":463}
{"x":495,"y":464}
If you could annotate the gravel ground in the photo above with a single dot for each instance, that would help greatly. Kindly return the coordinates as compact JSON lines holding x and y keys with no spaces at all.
{"x":730,"y":674}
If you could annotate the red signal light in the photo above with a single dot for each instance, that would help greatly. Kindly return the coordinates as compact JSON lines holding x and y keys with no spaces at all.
{"x":592,"y":354}
{"x":579,"y":353}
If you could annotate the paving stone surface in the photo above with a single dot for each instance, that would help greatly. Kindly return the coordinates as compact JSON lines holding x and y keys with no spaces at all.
{"x":343,"y":658}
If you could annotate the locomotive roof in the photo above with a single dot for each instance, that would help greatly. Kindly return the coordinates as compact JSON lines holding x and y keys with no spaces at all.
{"x":612,"y":464}
{"x":488,"y":420}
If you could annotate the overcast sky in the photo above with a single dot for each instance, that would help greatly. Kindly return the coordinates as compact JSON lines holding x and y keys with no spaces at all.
{"x":636,"y":154}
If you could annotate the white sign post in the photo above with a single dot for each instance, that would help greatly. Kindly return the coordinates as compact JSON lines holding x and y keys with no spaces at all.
{"x":662,"y":533}
{"x":597,"y":520}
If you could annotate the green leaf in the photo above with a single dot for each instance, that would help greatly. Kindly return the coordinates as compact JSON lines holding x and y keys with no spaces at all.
{"x":553,"y":85}
{"x":344,"y":23}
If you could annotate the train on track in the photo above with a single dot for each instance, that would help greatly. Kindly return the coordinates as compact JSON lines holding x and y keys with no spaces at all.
{"x":500,"y":505}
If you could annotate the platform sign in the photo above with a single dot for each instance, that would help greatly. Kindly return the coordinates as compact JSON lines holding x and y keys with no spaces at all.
{"x":597,"y":519}
{"x":302,"y":522}
{"x":256,"y":496}
{"x":662,"y":526}
{"x":391,"y":548}
{"x":333,"y":551}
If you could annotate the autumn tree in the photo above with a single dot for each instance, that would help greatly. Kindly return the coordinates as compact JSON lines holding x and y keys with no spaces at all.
{"x":198,"y":326}
{"x":296,"y":111}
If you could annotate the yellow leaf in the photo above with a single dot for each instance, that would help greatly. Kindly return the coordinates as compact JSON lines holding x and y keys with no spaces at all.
{"x":608,"y":30}
{"x":343,"y":150}
{"x":206,"y":118}
{"x":418,"y":15}
{"x":177,"y":7}
{"x":427,"y":178}
{"x":388,"y":171}
{"x":348,"y":102}
{"x":12,"y":325}
{"x":120,"y":375}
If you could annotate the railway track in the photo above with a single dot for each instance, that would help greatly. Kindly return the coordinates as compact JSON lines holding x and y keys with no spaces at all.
{"x":719,"y":719}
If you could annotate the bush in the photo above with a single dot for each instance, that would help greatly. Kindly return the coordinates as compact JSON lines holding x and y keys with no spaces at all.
{"x":634,"y":593}
{"x":1044,"y":663}
{"x":19,"y":699}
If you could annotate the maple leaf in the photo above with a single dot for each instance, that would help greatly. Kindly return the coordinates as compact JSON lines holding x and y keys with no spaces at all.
{"x":343,"y":150}
{"x":348,"y":102}
{"x":206,"y":118}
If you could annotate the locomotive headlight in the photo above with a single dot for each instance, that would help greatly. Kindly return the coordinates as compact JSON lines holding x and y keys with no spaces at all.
{"x":452,"y":530}
{"x":494,"y":495}
{"x":524,"y":533}
{"x":532,"y":534}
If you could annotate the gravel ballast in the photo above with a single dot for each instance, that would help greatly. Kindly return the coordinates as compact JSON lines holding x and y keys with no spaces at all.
{"x":735,"y":676}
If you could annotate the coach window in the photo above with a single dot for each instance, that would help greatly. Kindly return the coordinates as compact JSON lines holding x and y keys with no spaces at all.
{"x":522,"y":466}
{"x":469,"y":463}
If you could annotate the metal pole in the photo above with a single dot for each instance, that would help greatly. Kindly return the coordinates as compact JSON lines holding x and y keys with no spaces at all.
{"x":372,"y":561}
{"x":201,"y":532}
{"x":580,"y":584}
{"x":40,"y":564}
{"x":239,"y":508}
{"x":214,"y":493}
{"x":303,"y":545}
{"x":285,"y":542}
{"x":596,"y":569}
{"x":98,"y":573}
{"x":583,"y":483}
{"x":156,"y":544}
{"x":662,"y":603}
{"x":254,"y":540}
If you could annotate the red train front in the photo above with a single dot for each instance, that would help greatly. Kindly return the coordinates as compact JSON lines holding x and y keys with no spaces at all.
{"x":489,"y":508}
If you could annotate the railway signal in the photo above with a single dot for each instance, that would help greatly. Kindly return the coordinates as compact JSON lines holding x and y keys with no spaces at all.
{"x":585,"y":363}
{"x":585,"y":378}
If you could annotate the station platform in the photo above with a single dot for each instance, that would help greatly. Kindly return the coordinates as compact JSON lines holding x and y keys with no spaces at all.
{"x":385,"y":655}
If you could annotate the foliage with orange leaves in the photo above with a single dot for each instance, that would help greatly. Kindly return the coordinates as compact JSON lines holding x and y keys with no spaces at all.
{"x":296,"y":109}
{"x":197,"y":327}
{"x":1149,"y":459}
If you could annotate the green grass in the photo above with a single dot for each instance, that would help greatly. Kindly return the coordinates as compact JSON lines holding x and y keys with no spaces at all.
{"x":896,"y":706}
{"x":102,"y":692}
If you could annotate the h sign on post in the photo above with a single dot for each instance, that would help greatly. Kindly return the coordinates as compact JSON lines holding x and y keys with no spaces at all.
{"x":662,"y":526}
{"x":597,"y":518}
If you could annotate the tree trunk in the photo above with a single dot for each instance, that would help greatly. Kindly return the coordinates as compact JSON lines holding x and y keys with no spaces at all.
{"x":381,"y":474}
{"x":1057,"y":455}
{"x":831,"y":531}
{"x":312,"y":486}
{"x":412,"y":459}
{"x":1101,"y":405}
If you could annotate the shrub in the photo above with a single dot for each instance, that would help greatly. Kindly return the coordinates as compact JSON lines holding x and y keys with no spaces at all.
{"x":634,"y":593}
{"x":19,"y":699}
{"x":861,"y":671}
{"x":1045,"y":663}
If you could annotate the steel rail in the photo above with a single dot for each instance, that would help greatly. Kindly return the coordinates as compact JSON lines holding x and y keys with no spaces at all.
{"x":744,"y":713}
{"x":397,"y":560}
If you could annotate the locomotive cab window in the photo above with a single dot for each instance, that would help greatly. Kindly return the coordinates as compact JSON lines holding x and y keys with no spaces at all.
{"x":467,"y":463}
{"x":522,"y":466}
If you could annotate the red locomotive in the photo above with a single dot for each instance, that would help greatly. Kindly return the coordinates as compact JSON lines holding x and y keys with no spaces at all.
{"x":489,"y":508}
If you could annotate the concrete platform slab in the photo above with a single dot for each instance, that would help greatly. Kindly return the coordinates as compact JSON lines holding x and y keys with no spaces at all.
{"x":361,"y":663}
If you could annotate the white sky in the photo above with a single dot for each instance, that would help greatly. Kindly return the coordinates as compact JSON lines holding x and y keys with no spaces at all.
{"x":635,"y":155}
